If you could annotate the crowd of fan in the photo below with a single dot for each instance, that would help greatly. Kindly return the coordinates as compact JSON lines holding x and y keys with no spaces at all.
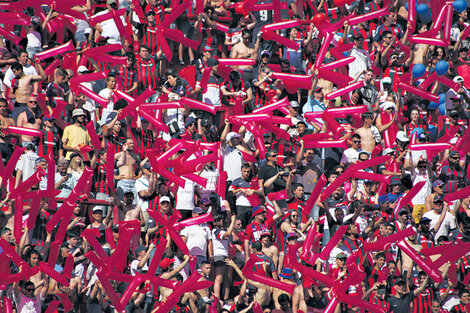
{"x":255,"y":217}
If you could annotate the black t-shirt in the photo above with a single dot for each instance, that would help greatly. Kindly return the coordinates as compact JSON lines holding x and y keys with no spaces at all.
{"x":401,"y":305}
{"x":266,"y":172}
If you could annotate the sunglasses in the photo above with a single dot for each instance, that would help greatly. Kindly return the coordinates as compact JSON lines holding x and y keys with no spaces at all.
{"x":164,"y":202}
{"x":192,"y":124}
{"x":422,"y":166}
{"x":356,"y":141}
{"x":32,"y":101}
{"x":29,"y":290}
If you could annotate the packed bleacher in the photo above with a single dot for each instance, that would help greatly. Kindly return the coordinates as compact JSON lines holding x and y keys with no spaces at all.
{"x":250,"y":157}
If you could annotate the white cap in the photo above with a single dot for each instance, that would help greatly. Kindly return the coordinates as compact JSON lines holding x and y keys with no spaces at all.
{"x":231,"y":135}
{"x":164,"y":198}
{"x":402,"y":136}
{"x":388,"y":104}
{"x":388,"y":150}
{"x":458,"y":79}
{"x":82,"y":69}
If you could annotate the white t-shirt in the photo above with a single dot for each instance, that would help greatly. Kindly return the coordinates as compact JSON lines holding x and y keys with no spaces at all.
{"x":350,"y":155}
{"x":34,"y":39}
{"x":142,"y":184}
{"x":445,"y":226}
{"x":135,"y":267}
{"x":219,"y":244}
{"x":198,"y":237}
{"x":29,"y":305}
{"x":185,"y":196}
{"x":420,"y":197}
{"x":27,"y":163}
{"x":212,"y":177}
{"x":233,"y":160}
{"x":106,"y":93}
{"x":110,"y":29}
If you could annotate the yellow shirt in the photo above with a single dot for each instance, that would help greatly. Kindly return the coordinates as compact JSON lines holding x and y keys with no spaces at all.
{"x":74,"y":136}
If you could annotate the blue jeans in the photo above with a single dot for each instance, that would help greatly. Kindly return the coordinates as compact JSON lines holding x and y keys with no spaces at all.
{"x":125,"y":185}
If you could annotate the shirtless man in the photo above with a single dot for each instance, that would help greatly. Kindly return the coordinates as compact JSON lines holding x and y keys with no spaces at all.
{"x":128,"y":211}
{"x":5,"y":139}
{"x":263,"y":292}
{"x":205,"y":273}
{"x":22,"y":86}
{"x":287,"y":276}
{"x":370,"y":135}
{"x":168,"y":272}
{"x":126,"y":162}
{"x":269,"y":249}
{"x":30,"y":118}
{"x":246,"y":50}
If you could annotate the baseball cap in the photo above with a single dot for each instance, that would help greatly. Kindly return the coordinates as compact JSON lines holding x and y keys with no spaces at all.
{"x":458,"y":79}
{"x":438,"y":198}
{"x":257,"y":210}
{"x":395,"y":181}
{"x":386,"y":80}
{"x":403,"y":211}
{"x":232,"y":135}
{"x":212,"y":62}
{"x":341,"y":255}
{"x":294,"y":104}
{"x":388,"y":104}
{"x":189,"y":120}
{"x":424,"y":220}
{"x":318,"y":89}
{"x":402,"y":136}
{"x":454,"y":154}
{"x":166,"y":262}
{"x":147,"y":165}
{"x":82,"y":69}
{"x":265,"y":52}
{"x":198,"y":210}
{"x":388,"y":150}
{"x":98,"y":208}
{"x":437,"y":183}
{"x":39,"y":160}
{"x":63,"y":162}
{"x":163,"y":199}
{"x":208,"y":48}
{"x":139,"y":249}
{"x":110,"y":2}
{"x":291,"y":235}
{"x":35,"y":20}
{"x":265,"y":233}
{"x":287,"y":273}
{"x":78,"y":112}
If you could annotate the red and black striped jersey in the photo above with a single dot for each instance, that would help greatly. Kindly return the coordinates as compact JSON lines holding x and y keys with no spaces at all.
{"x":146,"y":74}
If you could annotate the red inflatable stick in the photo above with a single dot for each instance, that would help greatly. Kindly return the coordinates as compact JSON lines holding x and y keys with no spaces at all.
{"x":111,"y":59}
{"x":430,"y":146}
{"x":178,"y":36}
{"x":49,"y":271}
{"x":223,"y":28}
{"x":175,"y":236}
{"x":344,"y":90}
{"x":291,"y":261}
{"x":198,"y":105}
{"x":164,"y":45}
{"x":425,"y":266}
{"x":8,"y":35}
{"x":430,"y":41}
{"x":27,"y":184}
{"x":356,"y":302}
{"x":371,"y":176}
{"x":69,"y":46}
{"x":338,"y":63}
{"x":369,"y":16}
{"x":419,"y":92}
{"x":88,"y":77}
{"x":408,"y":197}
{"x":315,"y":194}
{"x":101,"y":50}
{"x":282,"y":25}
{"x":327,"y":144}
{"x":26,"y":131}
{"x":340,"y":79}
{"x":459,"y":250}
{"x":448,"y":82}
{"x":460,"y":194}
{"x":8,"y":169}
{"x":289,"y":288}
{"x":152,"y":119}
{"x":52,"y":306}
{"x":175,"y":13}
{"x":325,"y":253}
{"x":206,"y":74}
{"x":95,"y":140}
{"x":324,"y":48}
{"x":205,"y":218}
{"x":237,"y":62}
{"x":412,"y":15}
{"x":79,"y":89}
{"x":191,"y":284}
{"x":110,"y":165}
{"x":221,"y":184}
{"x":385,"y":243}
{"x":282,"y":40}
{"x":278,"y":105}
{"x":301,"y":81}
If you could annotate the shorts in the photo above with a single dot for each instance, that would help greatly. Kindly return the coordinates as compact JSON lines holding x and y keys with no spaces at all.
{"x":219,"y":260}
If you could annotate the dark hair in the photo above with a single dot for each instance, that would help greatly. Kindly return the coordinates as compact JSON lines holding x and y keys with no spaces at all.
{"x":27,"y":284}
{"x":367,"y":115}
{"x":246,"y":165}
{"x":144,"y":47}
{"x":204,"y":263}
{"x":285,"y":62}
{"x":357,"y":136}
{"x":234,"y":76}
{"x":17,"y":66}
{"x":110,"y":75}
{"x":5,"y":230}
{"x":120,"y":104}
{"x":296,"y":185}
{"x":257,"y":246}
{"x":379,"y":255}
{"x":247,"y":32}
{"x":385,"y":33}
{"x":283,"y":298}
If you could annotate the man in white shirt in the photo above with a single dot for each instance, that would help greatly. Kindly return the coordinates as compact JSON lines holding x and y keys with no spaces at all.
{"x":462,"y":93}
{"x":351,"y":155}
{"x":362,"y":61}
{"x":198,"y":238}
{"x":28,"y":69}
{"x":108,"y":28}
{"x":441,"y":224}
{"x":145,"y":188}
